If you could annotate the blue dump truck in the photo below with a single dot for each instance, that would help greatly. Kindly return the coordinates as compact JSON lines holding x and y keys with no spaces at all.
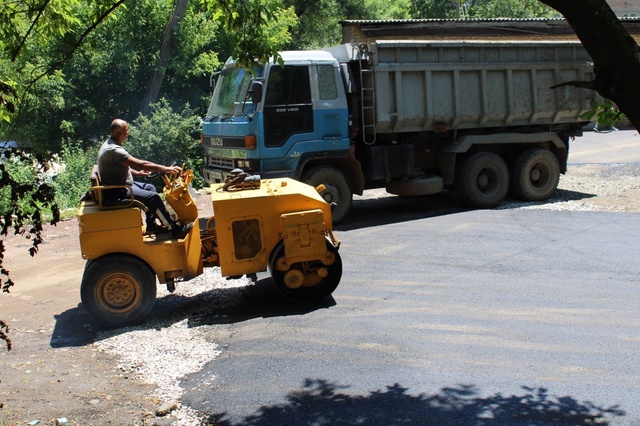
{"x":416,"y":117}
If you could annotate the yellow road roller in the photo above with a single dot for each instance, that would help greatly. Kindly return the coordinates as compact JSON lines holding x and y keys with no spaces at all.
{"x":280,"y":225}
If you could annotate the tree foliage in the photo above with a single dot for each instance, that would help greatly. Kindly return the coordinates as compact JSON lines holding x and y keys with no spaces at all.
{"x":70,"y":181}
{"x":4,"y":327}
{"x":85,"y":73}
{"x":433,"y":9}
{"x":384,"y":9}
{"x":258,"y":28}
{"x":319,"y":20}
{"x":39,"y":36}
{"x":510,"y":9}
{"x":480,"y":9}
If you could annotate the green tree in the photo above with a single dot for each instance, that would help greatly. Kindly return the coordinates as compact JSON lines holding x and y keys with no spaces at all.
{"x":102,"y":78}
{"x":258,"y":28}
{"x":446,"y":9}
{"x":200,"y":46}
{"x":71,"y":182}
{"x":86,"y":81}
{"x":432,"y":9}
{"x":510,"y":9}
{"x":26,"y":193}
{"x":108,"y":74}
{"x":384,"y":9}
{"x":40,"y":36}
{"x":319,"y":21}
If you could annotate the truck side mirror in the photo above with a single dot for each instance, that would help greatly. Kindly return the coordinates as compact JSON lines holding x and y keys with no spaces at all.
{"x":212,"y":81}
{"x":256,"y":92}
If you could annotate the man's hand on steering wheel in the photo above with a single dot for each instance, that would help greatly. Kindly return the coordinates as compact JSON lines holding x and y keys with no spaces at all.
{"x":170,"y":169}
{"x":173,"y":169}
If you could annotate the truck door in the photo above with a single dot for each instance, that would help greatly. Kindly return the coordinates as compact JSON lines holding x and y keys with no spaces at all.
{"x":288,"y":110}
{"x":304,"y":111}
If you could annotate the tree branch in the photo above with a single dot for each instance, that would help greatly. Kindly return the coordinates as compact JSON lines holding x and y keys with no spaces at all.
{"x":75,"y":47}
{"x":84,"y":35}
{"x":33,"y":25}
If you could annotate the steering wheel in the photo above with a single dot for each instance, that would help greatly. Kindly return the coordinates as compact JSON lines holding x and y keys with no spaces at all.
{"x":156,"y":174}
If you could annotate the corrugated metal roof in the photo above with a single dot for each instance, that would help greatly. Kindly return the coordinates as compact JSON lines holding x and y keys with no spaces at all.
{"x":418,"y":21}
{"x":462,"y":21}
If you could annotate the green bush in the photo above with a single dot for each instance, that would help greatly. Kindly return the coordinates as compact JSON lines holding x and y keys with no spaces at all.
{"x":72,"y":181}
{"x":167,"y":136}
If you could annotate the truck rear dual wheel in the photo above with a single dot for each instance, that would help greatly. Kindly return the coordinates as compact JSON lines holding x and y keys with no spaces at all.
{"x":535,"y":174}
{"x":336,"y":190}
{"x":482,"y":180}
{"x":118,"y":290}
{"x":300,"y":282}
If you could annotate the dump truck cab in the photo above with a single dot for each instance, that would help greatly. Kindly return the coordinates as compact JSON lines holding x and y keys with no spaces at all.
{"x":270,"y":121}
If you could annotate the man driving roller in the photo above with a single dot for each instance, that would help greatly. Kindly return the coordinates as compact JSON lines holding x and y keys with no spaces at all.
{"x":117,"y":167}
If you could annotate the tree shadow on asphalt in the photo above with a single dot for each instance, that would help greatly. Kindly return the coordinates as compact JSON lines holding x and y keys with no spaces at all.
{"x":75,"y":327}
{"x":371,"y":212}
{"x":320,"y":402}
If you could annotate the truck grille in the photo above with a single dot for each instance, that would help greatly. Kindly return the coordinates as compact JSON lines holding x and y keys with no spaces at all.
{"x":225,"y":163}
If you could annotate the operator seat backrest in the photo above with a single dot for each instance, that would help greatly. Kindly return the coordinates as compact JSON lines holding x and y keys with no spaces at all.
{"x":95,"y":176}
{"x":96,"y":194}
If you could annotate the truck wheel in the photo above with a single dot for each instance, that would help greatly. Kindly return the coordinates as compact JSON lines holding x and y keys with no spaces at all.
{"x":336,"y":191}
{"x":306,"y":282}
{"x":535,"y":174}
{"x":425,"y":185}
{"x":482,"y":180}
{"x":118,"y":290}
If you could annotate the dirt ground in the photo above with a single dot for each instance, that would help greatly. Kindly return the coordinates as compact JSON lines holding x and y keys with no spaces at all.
{"x":55,"y":374}
{"x":52,"y":372}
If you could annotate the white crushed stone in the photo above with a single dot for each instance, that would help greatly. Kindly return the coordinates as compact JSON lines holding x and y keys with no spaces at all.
{"x":162,"y":352}
{"x":161,"y":356}
{"x":612,"y":187}
{"x":585,"y":187}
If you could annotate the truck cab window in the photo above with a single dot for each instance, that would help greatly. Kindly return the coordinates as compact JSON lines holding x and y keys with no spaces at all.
{"x":230,"y":92}
{"x":287,"y":109}
{"x":288,"y":86}
{"x":327,"y":82}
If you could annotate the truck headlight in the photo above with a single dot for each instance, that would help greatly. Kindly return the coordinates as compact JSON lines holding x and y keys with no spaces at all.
{"x":243,"y":164}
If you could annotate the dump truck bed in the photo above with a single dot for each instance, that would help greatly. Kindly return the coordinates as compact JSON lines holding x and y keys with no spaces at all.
{"x":430,"y":85}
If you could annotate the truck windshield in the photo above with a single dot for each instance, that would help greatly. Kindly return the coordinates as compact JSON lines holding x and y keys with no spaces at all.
{"x":230,"y":92}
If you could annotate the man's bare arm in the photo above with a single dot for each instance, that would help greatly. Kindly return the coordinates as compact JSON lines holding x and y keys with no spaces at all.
{"x":148,"y":166}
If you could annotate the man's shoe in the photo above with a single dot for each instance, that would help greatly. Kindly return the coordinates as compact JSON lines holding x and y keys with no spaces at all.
{"x":154,"y":228}
{"x":181,"y":231}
